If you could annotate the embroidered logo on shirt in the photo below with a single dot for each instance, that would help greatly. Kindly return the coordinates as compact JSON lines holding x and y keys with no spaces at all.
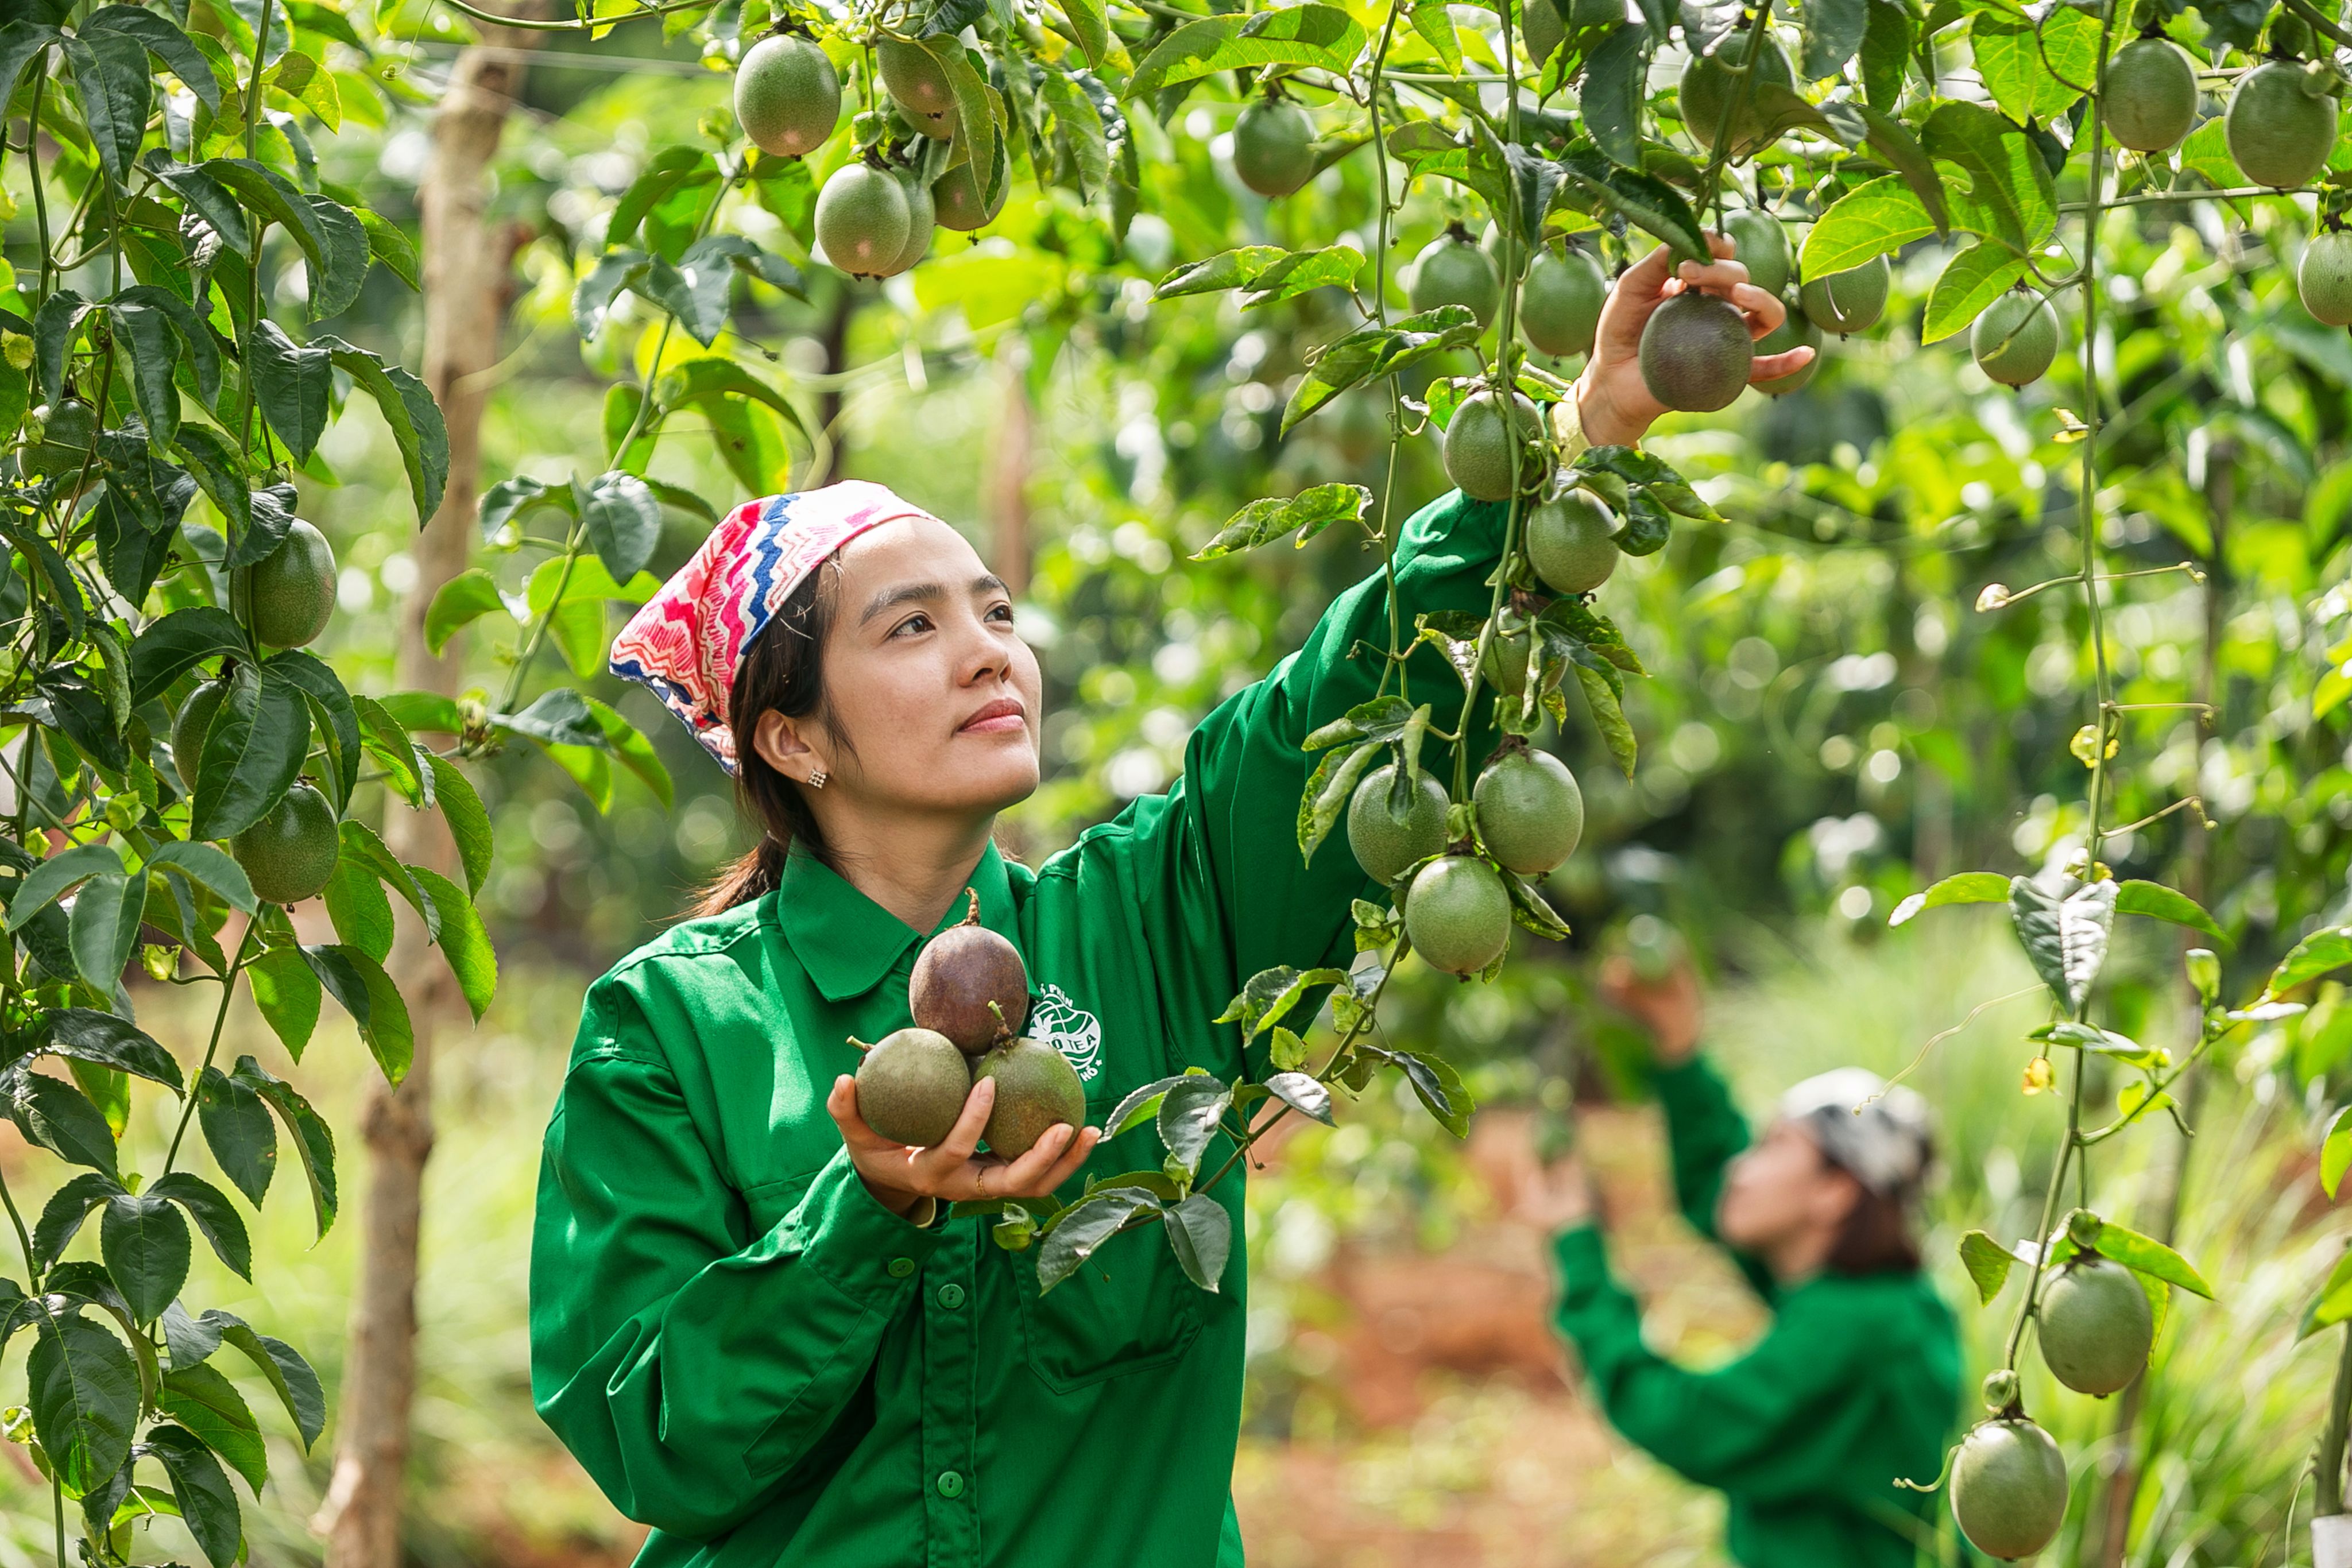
{"x":1070,"y":1030}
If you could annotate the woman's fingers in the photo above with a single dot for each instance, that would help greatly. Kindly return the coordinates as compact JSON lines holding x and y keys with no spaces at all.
{"x":842,"y":1103}
{"x":1773,"y":367}
{"x":1073,"y":1154}
{"x":1647,"y":276}
{"x":1764,"y":310}
{"x":955,"y":1150}
{"x":1023,"y":1173}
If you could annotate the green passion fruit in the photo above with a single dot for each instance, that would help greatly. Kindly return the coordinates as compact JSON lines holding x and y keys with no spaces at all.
{"x":787,"y":96}
{"x":1760,"y":245}
{"x":956,"y":201}
{"x":1561,"y":301}
{"x":970,"y":985}
{"x":911,"y":1086}
{"x":67,"y":429}
{"x":2324,"y":278}
{"x":1712,"y":84}
{"x":1457,"y":914}
{"x":1542,"y":29}
{"x":921,"y":214}
{"x":2280,"y":123}
{"x":1696,"y":352}
{"x":2150,"y":100}
{"x":1508,"y":651}
{"x":1479,"y":447}
{"x":1274,"y":147}
{"x":2015,"y":338}
{"x":287,"y":596}
{"x":1531,"y":811}
{"x":863,"y":219}
{"x":911,"y":75}
{"x":2009,"y":1488}
{"x":1384,"y":845}
{"x":1572,"y":541}
{"x":1850,"y":302}
{"x":1036,"y":1087}
{"x":1796,"y":330}
{"x":2096,"y":1325}
{"x":1452,"y":270}
{"x":188,"y":731}
{"x":290,"y":853}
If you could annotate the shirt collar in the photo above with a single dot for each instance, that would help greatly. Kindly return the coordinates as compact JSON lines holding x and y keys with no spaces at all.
{"x":848,"y":943}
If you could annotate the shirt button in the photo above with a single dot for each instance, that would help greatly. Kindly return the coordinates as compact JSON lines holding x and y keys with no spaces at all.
{"x":952,"y":1296}
{"x":951,"y":1484}
{"x":901,"y":1266}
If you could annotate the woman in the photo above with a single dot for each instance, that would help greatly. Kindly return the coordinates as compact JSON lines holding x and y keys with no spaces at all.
{"x":752,"y":1320}
{"x":1857,"y":1384}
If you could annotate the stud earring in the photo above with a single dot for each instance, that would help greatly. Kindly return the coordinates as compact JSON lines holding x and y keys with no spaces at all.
{"x":817,"y":779}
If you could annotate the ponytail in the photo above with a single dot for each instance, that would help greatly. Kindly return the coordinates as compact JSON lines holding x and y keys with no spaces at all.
{"x":782,"y":671}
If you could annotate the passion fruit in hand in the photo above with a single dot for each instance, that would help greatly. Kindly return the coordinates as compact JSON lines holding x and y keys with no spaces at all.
{"x":1571,"y":542}
{"x":287,"y":596}
{"x":2280,"y":123}
{"x":289,"y":855}
{"x":1531,"y":811}
{"x":2009,"y":1488}
{"x":1487,"y":455}
{"x":1561,"y":302}
{"x":1036,"y":1088}
{"x":1697,"y":352}
{"x":969,"y":984}
{"x":863,"y":219}
{"x":1452,"y":270}
{"x":2096,"y":1325}
{"x":1274,"y":147}
{"x":1457,"y":914}
{"x":787,"y":96}
{"x":1382,"y":844}
{"x":911,"y":1086}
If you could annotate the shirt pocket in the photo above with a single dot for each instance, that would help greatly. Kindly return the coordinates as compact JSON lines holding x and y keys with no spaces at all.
{"x":1128,"y":1309}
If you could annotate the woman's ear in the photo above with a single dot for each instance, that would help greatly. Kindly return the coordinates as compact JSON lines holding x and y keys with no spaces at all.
{"x":783,"y":746}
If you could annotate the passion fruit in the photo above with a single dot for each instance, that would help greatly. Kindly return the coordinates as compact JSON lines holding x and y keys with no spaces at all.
{"x":787,"y":96}
{"x":1508,"y":651}
{"x":1457,"y":914}
{"x":912,"y":76}
{"x":288,"y":595}
{"x":1036,"y":1088}
{"x":2280,"y":123}
{"x":956,"y":201}
{"x":911,"y":1086}
{"x":1760,"y":245}
{"x":2015,"y":338}
{"x":188,"y":731}
{"x":290,"y":853}
{"x":1274,"y":147}
{"x":1571,"y":542}
{"x":1383,"y":845}
{"x":1542,"y":30}
{"x":2150,"y":100}
{"x":969,"y":984}
{"x":2009,"y":1488}
{"x":1712,"y":83}
{"x":2324,"y":278}
{"x":68,"y":428}
{"x":863,"y":219}
{"x":1561,"y":301}
{"x":1530,"y":811}
{"x":1850,"y":302}
{"x":1452,"y":270}
{"x":1696,"y":352}
{"x":1795,"y":331}
{"x":2096,"y":1325}
{"x":920,"y":215}
{"x":1480,"y":446}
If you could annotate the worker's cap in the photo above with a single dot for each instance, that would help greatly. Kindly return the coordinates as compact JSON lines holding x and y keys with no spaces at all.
{"x":1876,"y":1132}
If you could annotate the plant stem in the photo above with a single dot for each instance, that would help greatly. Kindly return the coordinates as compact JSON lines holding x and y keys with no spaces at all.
{"x":24,"y":1237}
{"x":260,"y":233}
{"x":2330,"y":1491}
{"x":212,"y":1046}
{"x":1395,"y":664}
{"x":58,"y":1512}
{"x":33,"y":163}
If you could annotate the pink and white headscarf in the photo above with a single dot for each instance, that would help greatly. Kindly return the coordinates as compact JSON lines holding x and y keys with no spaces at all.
{"x":688,"y":640}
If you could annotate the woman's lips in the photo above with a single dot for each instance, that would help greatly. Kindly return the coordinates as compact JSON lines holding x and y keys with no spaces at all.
{"x":1003,"y":716}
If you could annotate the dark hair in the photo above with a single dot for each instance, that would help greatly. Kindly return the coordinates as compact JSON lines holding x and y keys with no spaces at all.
{"x":783,"y":670}
{"x":1875,"y":1238}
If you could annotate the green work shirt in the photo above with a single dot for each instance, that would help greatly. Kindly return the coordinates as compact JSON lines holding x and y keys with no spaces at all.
{"x":749,"y":1353}
{"x":1855,"y":1384}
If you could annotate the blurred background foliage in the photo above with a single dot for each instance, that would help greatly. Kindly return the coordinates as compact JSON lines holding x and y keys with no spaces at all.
{"x":1830,"y":724}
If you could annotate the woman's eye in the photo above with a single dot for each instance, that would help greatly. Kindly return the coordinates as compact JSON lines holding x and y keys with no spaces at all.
{"x":911,"y":625}
{"x":1002,"y":612}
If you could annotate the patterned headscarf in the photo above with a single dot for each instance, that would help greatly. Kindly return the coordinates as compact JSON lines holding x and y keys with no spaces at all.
{"x":1877,"y":1132}
{"x":688,"y":640}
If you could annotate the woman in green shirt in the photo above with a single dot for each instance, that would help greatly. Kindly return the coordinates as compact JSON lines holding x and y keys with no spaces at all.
{"x":751,"y":1320}
{"x":1856,"y":1384}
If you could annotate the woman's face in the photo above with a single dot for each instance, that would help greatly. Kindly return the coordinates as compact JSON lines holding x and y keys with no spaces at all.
{"x":1779,"y":1190}
{"x":935,"y":692}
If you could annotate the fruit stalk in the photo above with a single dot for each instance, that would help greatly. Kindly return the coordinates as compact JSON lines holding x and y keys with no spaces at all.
{"x":260,"y":232}
{"x":2330,"y":1461}
{"x":1734,"y":104}
{"x":212,"y":1046}
{"x":1395,"y":664}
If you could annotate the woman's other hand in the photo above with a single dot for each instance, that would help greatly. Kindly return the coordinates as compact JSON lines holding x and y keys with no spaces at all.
{"x":1612,"y":398}
{"x":1668,"y":1008}
{"x":1558,"y":1197}
{"x":900,"y":1176}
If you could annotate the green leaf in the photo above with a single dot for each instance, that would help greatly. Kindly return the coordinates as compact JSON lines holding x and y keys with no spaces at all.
{"x":144,"y":1241}
{"x":357,"y":905}
{"x":110,"y":75}
{"x":1643,"y":199}
{"x":465,"y":944}
{"x":296,"y":1385}
{"x":68,"y":1207}
{"x":214,"y":1214}
{"x":2008,"y":185}
{"x":465,"y":598}
{"x":288,"y":995}
{"x":238,"y":1131}
{"x":623,"y":522}
{"x":211,"y":867}
{"x":559,"y":718}
{"x":1969,"y":282}
{"x":2158,"y":902}
{"x":253,"y":753}
{"x":1964,"y":887}
{"x":2009,"y":49}
{"x":104,"y":927}
{"x":1080,"y":123}
{"x":200,"y":1488}
{"x":387,"y":739}
{"x":1833,"y":31}
{"x":1200,"y":1234}
{"x":314,"y":1141}
{"x":58,"y":1117}
{"x":2321,"y":953}
{"x":291,"y":384}
{"x":1329,"y":789}
{"x":1227,"y":269}
{"x":390,"y":244}
{"x":1607,"y":715}
{"x":85,"y":1034}
{"x":1440,"y":1090}
{"x":84,"y":1392}
{"x":2063,"y":927}
{"x":630,"y":747}
{"x":1871,"y":220}
{"x":1140,"y":1105}
{"x":1309,"y":512}
{"x":1267,"y":997}
{"x":2150,"y":1257}
{"x":468,"y":823}
{"x":1189,"y":1115}
{"x":208,"y":1405}
{"x":1654,"y":473}
{"x":414,"y":419}
{"x":178,"y":643}
{"x":56,"y":876}
{"x":1308,"y":35}
{"x":1987,"y":1263}
{"x":1374,"y":352}
{"x":1614,"y":75}
{"x":1084,"y":1226}
{"x":1435,"y":22}
{"x":1303,"y":1094}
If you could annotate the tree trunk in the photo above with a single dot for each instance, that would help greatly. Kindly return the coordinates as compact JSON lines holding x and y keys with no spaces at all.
{"x":1007,"y":496}
{"x":467,"y":287}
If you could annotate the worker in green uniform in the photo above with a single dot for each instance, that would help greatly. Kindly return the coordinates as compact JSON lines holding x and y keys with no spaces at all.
{"x":752,"y":1319}
{"x":1855,"y":1386}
